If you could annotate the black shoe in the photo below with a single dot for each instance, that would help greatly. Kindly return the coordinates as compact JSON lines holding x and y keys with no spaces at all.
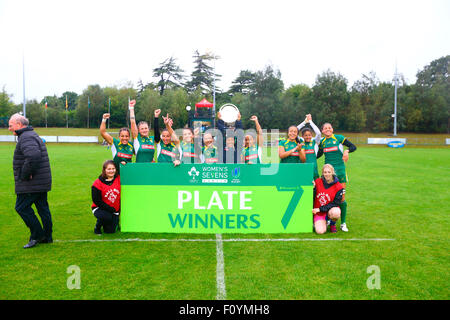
{"x":46,"y":240}
{"x":31,"y":244}
{"x":97,"y":230}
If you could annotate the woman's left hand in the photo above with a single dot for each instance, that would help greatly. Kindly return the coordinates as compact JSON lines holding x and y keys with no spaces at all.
{"x":345,"y":156}
{"x":176,"y":163}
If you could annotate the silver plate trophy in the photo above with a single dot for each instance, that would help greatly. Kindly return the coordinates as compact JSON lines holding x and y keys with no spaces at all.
{"x":229,"y":113}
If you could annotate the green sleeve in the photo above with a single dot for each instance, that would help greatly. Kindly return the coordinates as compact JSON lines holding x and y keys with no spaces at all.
{"x":340,"y":138}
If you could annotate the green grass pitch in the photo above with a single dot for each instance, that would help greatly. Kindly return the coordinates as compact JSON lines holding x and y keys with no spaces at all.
{"x":401,"y":195}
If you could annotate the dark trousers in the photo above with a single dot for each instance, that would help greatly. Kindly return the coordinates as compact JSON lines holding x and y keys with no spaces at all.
{"x":107,"y":220}
{"x":24,"y":201}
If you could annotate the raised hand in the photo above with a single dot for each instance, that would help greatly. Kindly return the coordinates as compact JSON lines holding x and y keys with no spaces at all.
{"x":131,"y":104}
{"x":106,"y":116}
{"x":157,"y":113}
{"x":308,"y":118}
{"x":254,"y":118}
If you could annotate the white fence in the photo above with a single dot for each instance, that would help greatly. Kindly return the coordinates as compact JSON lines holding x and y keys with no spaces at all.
{"x":384,"y":140}
{"x":60,"y":139}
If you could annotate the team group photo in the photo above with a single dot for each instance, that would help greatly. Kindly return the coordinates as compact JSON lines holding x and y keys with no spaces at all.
{"x":209,"y":174}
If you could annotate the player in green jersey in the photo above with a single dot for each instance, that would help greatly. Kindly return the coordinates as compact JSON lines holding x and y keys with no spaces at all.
{"x":289,"y":149}
{"x":167,"y":151}
{"x":309,"y":150}
{"x":190,"y":147}
{"x":210,"y":152}
{"x":144,"y":144}
{"x":252,"y":152}
{"x":332,"y":146}
{"x":122,"y":149}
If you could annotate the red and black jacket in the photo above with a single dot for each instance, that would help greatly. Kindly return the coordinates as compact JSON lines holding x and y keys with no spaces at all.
{"x":328,"y":195}
{"x":106,"y":194}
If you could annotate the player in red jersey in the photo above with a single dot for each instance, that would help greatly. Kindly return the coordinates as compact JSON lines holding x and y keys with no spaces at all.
{"x":106,"y":199}
{"x":328,"y":193}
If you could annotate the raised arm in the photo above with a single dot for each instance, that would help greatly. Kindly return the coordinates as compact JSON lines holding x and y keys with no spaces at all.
{"x":318,"y":136}
{"x":103,"y":132}
{"x":259,"y":138}
{"x":168,"y":122}
{"x":134,"y":128}
{"x":156,"y":125}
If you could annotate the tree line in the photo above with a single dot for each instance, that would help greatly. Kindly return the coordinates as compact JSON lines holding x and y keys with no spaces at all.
{"x":366,"y":106}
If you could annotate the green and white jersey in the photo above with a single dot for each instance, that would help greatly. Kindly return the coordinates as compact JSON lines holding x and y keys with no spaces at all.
{"x":252,"y":154}
{"x":144,"y":148}
{"x":121,"y":152}
{"x":333,"y":150}
{"x":289,"y":145}
{"x":167,"y":152}
{"x":188,"y":154}
{"x":311,"y":149}
{"x":210,"y":154}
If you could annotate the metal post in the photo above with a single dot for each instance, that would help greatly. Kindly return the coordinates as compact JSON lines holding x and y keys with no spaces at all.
{"x":24,"y":99}
{"x":395,"y":102}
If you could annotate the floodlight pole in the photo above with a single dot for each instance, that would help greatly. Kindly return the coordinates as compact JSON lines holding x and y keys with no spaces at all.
{"x":395,"y":101}
{"x":24,"y":99}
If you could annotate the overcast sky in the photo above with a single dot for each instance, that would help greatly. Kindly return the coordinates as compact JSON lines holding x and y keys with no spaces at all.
{"x":68,"y":45}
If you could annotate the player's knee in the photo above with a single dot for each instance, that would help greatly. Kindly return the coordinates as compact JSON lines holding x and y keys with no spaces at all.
{"x":334,"y":213}
{"x":320,"y":228}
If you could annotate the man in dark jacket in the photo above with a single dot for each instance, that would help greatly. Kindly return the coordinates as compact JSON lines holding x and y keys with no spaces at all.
{"x":33,"y":180}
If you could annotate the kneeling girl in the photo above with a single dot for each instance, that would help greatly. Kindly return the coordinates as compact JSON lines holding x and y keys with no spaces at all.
{"x":328,"y":194}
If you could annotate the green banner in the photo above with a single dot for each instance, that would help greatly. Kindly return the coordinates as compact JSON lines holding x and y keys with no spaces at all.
{"x":216,"y":198}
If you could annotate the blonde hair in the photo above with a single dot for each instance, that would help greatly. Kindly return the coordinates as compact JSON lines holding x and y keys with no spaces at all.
{"x":331,"y":168}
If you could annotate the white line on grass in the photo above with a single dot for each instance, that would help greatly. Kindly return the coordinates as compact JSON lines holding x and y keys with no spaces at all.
{"x":224,"y":240}
{"x":220,"y":269}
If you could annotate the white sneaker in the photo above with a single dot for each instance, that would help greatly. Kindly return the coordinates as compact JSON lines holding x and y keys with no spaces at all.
{"x":344,"y":227}
{"x":328,"y":222}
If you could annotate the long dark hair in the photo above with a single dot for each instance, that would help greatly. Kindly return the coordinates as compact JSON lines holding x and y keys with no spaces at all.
{"x":107,"y":163}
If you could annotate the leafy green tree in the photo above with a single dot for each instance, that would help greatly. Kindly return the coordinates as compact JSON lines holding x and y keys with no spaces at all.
{"x":6,"y":105}
{"x":265,"y":99}
{"x":36,"y":113}
{"x":437,"y":72}
{"x":56,"y":117}
{"x":95,"y":95}
{"x":330,"y":99}
{"x":119,"y":104}
{"x":203,"y":75}
{"x":72,"y":99}
{"x":355,"y":119}
{"x":54,"y":102}
{"x":433,"y":89}
{"x":174,"y":103}
{"x":146,"y":106}
{"x":243,"y":83}
{"x":295,"y":105}
{"x":170,"y":75}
